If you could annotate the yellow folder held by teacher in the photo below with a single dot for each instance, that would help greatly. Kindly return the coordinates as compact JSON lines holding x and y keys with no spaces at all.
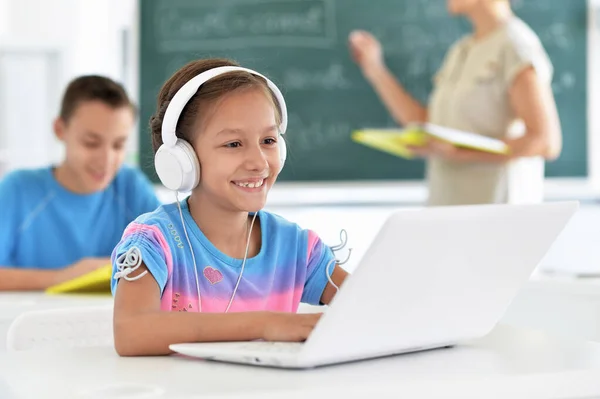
{"x":94,"y":282}
{"x":397,"y":141}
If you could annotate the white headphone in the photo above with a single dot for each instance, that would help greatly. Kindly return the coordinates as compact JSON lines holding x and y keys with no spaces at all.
{"x":175,"y":161}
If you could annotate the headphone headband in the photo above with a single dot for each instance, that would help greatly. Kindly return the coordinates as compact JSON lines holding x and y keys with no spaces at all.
{"x":187,"y":91}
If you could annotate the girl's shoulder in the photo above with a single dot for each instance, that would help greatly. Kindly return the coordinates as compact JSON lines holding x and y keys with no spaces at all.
{"x":285,"y":233}
{"x":163,"y":215}
{"x":278,"y":225}
{"x":157,"y":223}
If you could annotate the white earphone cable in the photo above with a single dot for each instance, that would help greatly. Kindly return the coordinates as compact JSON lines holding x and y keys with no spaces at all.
{"x":194,"y":258}
{"x":191,"y":251}
{"x":243,"y":263}
{"x":334,"y":261}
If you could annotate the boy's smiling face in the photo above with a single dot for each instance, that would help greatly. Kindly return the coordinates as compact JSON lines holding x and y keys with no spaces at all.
{"x":95,"y":142}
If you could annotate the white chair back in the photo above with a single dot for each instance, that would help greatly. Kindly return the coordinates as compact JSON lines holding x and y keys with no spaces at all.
{"x":67,"y":328}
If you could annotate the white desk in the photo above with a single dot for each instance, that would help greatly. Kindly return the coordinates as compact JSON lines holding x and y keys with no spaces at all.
{"x":507,"y":363}
{"x":565,"y":306}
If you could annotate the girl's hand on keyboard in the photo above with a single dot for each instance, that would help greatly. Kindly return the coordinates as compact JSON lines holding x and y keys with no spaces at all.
{"x":289,"y":326}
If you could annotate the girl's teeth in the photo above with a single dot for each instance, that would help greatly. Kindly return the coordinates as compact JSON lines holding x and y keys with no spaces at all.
{"x":251,"y":184}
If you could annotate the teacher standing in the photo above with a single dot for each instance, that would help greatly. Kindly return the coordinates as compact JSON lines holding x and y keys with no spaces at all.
{"x":495,"y":81}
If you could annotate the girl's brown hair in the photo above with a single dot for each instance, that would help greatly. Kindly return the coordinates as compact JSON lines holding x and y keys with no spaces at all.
{"x":208,"y":93}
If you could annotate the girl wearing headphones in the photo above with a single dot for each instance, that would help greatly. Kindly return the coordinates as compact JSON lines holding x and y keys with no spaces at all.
{"x":215,"y":266}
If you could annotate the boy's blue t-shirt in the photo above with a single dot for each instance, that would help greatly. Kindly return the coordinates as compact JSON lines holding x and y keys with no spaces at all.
{"x":45,"y":226}
{"x":291,"y":266}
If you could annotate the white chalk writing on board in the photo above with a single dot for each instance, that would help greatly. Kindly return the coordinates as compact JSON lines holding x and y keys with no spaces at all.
{"x":564,"y":82}
{"x":286,"y":23}
{"x":333,"y":77}
{"x":315,"y":132}
{"x":557,"y":34}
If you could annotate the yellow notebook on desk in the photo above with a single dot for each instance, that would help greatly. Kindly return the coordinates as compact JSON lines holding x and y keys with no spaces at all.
{"x":396,"y":141}
{"x":95,"y":282}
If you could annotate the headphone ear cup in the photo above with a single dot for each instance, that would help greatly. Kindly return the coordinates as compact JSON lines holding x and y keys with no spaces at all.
{"x":282,"y":151}
{"x":177,"y":167}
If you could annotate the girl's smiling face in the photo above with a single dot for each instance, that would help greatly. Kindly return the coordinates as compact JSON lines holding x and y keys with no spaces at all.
{"x":236,"y":144}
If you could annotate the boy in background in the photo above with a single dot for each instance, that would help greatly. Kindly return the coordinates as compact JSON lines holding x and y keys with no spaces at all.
{"x":62,"y":221}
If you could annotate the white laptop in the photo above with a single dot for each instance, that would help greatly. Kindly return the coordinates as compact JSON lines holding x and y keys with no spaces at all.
{"x":575,"y":252}
{"x":431,"y":278}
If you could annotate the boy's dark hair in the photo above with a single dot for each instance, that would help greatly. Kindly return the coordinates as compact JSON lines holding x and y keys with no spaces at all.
{"x":93,"y":88}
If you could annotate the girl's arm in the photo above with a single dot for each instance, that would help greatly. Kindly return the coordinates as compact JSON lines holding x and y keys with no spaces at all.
{"x":141,"y":328}
{"x":338,"y":277}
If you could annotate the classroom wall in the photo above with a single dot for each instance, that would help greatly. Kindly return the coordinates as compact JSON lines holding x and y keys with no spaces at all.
{"x":87,"y":37}
{"x":88,"y":32}
{"x":3,"y":16}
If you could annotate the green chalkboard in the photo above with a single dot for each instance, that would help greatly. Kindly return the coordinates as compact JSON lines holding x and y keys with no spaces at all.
{"x":302,"y":46}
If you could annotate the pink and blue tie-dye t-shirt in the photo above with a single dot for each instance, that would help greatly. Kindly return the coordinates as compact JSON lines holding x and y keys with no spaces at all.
{"x":290,"y":267}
